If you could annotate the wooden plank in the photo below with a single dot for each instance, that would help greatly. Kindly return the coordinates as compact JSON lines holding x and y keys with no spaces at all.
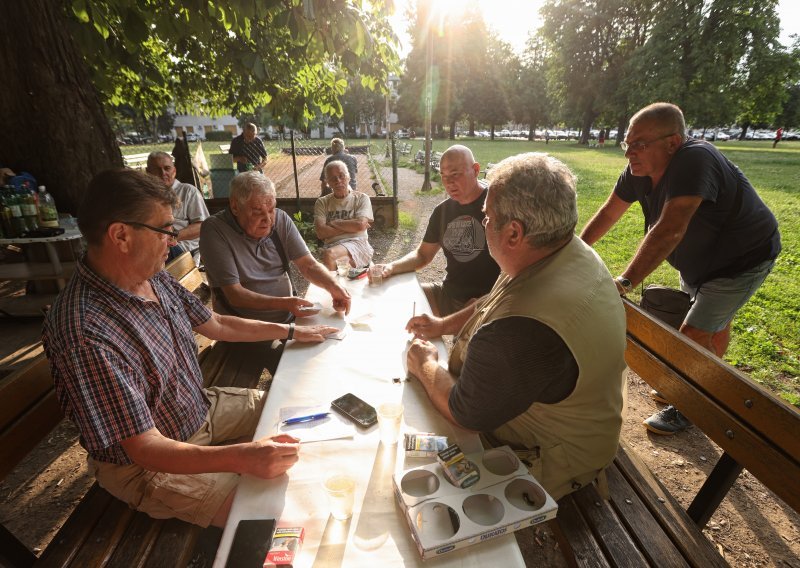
{"x":21,"y":437}
{"x":35,"y":271}
{"x":29,"y":305}
{"x":764,"y":458}
{"x":13,"y":552}
{"x":575,"y":538}
{"x":689,"y":539}
{"x":137,"y":543}
{"x":772,"y":417}
{"x":181,"y":266}
{"x":106,"y":536}
{"x":174,"y":544}
{"x":651,"y":539}
{"x":609,"y":531}
{"x":72,"y":535}
{"x":23,"y":388}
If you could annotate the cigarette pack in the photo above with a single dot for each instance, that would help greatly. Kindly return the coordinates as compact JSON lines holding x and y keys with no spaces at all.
{"x":286,"y":545}
{"x":459,"y":470}
{"x":424,"y":444}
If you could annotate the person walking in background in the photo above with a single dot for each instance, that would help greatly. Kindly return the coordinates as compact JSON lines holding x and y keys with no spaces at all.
{"x":778,"y":136}
{"x":702,"y":216}
{"x":601,"y":137}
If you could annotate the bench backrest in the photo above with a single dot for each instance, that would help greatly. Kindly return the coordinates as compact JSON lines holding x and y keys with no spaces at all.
{"x":138,"y":161}
{"x":752,"y":426}
{"x":224,"y":148}
{"x":29,"y":410}
{"x":184,"y":270}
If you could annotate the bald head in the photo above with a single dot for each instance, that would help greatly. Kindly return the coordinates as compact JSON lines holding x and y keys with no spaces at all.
{"x":459,"y":172}
{"x":459,"y":152}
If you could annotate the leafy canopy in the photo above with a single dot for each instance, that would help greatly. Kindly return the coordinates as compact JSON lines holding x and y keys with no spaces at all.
{"x":294,"y":56}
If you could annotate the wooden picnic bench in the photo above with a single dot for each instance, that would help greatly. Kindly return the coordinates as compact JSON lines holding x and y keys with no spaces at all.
{"x":404,"y":148}
{"x":641,"y":524}
{"x":436,"y":157}
{"x":136,"y":161}
{"x":103,"y":530}
{"x":487,"y":169}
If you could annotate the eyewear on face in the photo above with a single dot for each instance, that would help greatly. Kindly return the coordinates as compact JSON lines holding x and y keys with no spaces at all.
{"x":641,"y":146}
{"x":173,"y":235}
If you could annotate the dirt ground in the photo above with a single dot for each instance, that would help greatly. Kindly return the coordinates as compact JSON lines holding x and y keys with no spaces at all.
{"x":752,"y":528}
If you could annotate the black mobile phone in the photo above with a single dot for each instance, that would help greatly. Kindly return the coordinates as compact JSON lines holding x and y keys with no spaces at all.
{"x":251,"y":542}
{"x":352,"y":407}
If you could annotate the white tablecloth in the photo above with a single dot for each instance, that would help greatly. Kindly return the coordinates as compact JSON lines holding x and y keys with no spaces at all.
{"x":364,"y":363}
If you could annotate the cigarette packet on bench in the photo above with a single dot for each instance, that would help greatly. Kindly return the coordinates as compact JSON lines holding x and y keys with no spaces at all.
{"x":459,"y":470}
{"x":286,"y":543}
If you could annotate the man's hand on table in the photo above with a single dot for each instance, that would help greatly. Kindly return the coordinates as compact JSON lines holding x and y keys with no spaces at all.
{"x":313,"y":333}
{"x":386,"y":269}
{"x":295,"y":305}
{"x":271,"y":456}
{"x":425,"y":327}
{"x":341,"y":299}
{"x":420,"y":353}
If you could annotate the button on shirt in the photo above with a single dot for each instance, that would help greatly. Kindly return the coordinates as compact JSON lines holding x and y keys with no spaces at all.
{"x":122,"y":364}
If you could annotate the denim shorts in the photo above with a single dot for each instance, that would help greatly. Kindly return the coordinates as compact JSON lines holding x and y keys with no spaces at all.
{"x":717,"y":301}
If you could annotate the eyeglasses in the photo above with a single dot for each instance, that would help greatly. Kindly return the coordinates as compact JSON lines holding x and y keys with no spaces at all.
{"x":641,"y":146}
{"x":173,"y":235}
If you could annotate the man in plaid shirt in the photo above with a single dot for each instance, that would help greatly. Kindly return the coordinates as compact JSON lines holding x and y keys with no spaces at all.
{"x":248,"y":150}
{"x":124,"y":361}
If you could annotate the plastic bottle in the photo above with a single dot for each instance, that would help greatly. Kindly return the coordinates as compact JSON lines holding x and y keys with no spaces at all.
{"x":48,"y":215}
{"x":29,"y":210}
{"x":17,"y":220}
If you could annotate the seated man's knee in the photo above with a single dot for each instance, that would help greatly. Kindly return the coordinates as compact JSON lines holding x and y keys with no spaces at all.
{"x":329,"y":259}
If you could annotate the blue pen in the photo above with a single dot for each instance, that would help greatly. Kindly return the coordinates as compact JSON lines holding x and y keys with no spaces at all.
{"x":301,"y":419}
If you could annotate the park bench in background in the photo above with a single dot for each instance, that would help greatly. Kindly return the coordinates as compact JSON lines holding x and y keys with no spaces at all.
{"x":136,"y":161}
{"x":103,"y":530}
{"x":486,"y":170}
{"x":224,"y":148}
{"x":404,"y":148}
{"x":642,"y":524}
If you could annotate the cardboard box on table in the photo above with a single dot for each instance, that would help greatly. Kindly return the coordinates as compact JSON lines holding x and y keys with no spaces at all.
{"x":444,"y":518}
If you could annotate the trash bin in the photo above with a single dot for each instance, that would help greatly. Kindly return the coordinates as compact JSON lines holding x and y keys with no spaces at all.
{"x":222,"y":173}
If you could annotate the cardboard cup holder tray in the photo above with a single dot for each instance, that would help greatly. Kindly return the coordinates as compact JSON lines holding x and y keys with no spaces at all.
{"x":443,"y":517}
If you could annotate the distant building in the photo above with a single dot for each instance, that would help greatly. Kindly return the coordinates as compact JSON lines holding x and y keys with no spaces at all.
{"x":200,"y":125}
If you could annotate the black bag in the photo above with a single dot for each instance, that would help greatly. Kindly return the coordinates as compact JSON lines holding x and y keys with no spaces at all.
{"x":667,"y":304}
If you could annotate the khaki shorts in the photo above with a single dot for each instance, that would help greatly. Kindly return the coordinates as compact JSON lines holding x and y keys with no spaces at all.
{"x":442,"y":304}
{"x":194,"y":498}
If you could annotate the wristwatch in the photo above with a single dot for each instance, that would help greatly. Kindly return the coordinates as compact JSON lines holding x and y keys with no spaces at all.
{"x":291,"y":331}
{"x":624,"y":283}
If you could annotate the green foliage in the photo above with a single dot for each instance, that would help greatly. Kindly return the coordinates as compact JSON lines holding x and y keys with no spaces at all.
{"x":218,"y":136}
{"x":232,"y":55}
{"x":307,"y":229}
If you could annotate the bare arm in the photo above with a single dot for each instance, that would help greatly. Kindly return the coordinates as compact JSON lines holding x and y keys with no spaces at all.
{"x":232,"y":328}
{"x":429,"y":327}
{"x":334,"y":228}
{"x":190,"y":232}
{"x":662,"y":239}
{"x":423,"y":363}
{"x":265,"y":458}
{"x":317,"y":274}
{"x":605,"y":218}
{"x":415,"y":260}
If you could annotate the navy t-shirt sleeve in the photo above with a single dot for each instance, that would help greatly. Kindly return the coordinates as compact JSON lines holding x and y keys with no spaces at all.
{"x":510,"y":364}
{"x":236,"y":147}
{"x":624,"y":188}
{"x":692,"y":173}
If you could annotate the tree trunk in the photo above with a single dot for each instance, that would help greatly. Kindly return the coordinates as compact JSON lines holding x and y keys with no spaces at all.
{"x":472,"y":127}
{"x":531,"y":130}
{"x":54,"y":125}
{"x":453,"y":129}
{"x":743,"y":135}
{"x":588,"y":118}
{"x":621,"y":126}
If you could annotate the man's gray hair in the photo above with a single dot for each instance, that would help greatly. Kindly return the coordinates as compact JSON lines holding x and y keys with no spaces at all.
{"x":538,"y":191}
{"x":252,"y":127}
{"x":246,"y":184}
{"x":337,"y":145}
{"x":337,"y":164}
{"x":153,"y":156}
{"x":666,"y":115}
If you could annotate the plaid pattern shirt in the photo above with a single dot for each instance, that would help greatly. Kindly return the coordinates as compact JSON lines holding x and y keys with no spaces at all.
{"x":254,"y":151}
{"x":122,"y":364}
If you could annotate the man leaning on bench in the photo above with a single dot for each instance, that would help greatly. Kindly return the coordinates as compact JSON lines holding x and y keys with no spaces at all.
{"x":538,"y":362}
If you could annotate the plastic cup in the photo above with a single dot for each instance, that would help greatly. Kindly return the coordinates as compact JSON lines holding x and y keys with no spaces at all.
{"x":340,"y":489}
{"x":342,"y":266}
{"x":390,"y":418}
{"x":375,"y":275}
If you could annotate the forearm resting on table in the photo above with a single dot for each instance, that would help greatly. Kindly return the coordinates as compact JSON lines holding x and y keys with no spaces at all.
{"x":416,"y":259}
{"x":189,"y":232}
{"x":438,"y":383}
{"x":231,"y":328}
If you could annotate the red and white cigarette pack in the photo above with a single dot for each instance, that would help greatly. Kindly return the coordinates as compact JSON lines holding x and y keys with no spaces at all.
{"x":286,"y":545}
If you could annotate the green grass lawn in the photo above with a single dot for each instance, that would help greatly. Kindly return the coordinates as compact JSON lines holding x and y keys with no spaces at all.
{"x":766,"y":332}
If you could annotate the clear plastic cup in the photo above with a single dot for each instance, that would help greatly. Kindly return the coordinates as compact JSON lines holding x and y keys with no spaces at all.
{"x":376,"y":275}
{"x":390,"y":419}
{"x":340,"y":488}
{"x":342,"y":266}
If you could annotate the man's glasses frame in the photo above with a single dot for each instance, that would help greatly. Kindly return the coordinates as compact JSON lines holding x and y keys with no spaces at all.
{"x":173,"y":235}
{"x":642,"y":146}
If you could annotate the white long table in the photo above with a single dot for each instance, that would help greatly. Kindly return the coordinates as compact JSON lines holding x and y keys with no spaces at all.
{"x":364,"y":363}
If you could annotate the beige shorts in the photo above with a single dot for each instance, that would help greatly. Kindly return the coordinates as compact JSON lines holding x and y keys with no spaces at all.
{"x":442,"y":304}
{"x":359,"y":250}
{"x":194,"y":498}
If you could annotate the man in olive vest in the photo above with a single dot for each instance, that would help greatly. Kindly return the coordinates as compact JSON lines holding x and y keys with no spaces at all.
{"x":538,"y":364}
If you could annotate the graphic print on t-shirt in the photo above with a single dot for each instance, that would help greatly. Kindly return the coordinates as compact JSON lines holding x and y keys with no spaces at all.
{"x":464,"y":238}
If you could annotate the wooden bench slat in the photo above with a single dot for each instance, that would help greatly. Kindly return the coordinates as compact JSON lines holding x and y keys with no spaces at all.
{"x":174,"y":545}
{"x":775,"y":419}
{"x":575,"y":538}
{"x":23,"y":388}
{"x":72,"y":535}
{"x":667,"y":511}
{"x":31,"y":428}
{"x":181,"y":266}
{"x":651,"y":540}
{"x":773,"y":467}
{"x":106,"y":536}
{"x":137,"y":543}
{"x":611,"y":534}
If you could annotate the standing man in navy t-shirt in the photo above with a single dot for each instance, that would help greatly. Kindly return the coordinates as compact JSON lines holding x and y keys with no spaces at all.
{"x":248,"y":150}
{"x":703,"y":217}
{"x":456,"y":227}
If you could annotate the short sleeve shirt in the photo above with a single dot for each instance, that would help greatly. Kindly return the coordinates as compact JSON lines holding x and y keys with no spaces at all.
{"x":354,"y":205}
{"x":458,"y":229}
{"x":122,"y":364}
{"x":191,"y":209}
{"x":254,"y":151}
{"x":722,"y":239}
{"x":231,"y":257}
